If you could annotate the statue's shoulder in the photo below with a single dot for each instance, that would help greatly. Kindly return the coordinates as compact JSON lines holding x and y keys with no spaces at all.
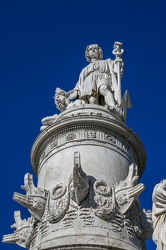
{"x":84,"y":68}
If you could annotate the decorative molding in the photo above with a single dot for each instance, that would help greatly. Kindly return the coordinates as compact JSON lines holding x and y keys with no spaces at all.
{"x":102,"y":188}
{"x":71,"y":137}
{"x":91,"y":203}
{"x":57,"y":204}
{"x":86,"y":216}
{"x":90,"y":134}
{"x":82,"y":133}
{"x":70,"y":216}
{"x":58,"y":191}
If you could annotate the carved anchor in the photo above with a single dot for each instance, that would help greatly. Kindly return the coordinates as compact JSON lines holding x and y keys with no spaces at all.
{"x":35,"y":198}
{"x":79,"y":181}
{"x":22,"y":234}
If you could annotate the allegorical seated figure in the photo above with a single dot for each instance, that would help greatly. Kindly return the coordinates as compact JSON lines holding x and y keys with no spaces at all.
{"x":97,"y":82}
{"x":159,"y":215}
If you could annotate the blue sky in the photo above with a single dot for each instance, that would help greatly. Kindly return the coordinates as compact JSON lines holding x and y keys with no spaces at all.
{"x":42,"y":47}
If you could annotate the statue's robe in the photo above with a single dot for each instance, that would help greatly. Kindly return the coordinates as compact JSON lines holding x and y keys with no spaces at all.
{"x":159,"y":217}
{"x":94,"y":75}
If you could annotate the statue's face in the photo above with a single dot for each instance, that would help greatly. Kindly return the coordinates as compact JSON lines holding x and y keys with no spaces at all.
{"x":93,"y":51}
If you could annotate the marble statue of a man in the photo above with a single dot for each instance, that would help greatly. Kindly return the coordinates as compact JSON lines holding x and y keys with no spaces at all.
{"x":159,"y":215}
{"x":97,"y":82}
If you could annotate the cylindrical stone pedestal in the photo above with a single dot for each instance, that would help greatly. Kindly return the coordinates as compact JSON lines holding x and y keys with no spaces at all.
{"x":106,"y":148}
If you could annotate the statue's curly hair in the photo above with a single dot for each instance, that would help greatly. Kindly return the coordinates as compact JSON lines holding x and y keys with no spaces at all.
{"x":95,"y":46}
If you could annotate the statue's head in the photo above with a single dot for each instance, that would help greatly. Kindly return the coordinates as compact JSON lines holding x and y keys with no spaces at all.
{"x":94,"y":46}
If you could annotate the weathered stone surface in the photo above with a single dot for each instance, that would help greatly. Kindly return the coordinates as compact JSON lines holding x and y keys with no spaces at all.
{"x":99,"y":82}
{"x":101,"y":206}
{"x":159,"y":215}
{"x":35,"y":198}
{"x":94,"y":132}
{"x":24,"y":230}
{"x":88,"y":163}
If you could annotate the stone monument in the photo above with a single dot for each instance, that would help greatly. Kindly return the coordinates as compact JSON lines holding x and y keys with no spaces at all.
{"x":88,"y":163}
{"x":159,"y":215}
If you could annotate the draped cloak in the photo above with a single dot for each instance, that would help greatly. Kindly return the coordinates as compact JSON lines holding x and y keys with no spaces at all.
{"x":93,"y":76}
{"x":159,"y":217}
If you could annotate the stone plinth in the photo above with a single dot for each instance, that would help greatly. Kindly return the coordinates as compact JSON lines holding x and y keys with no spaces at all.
{"x":107,"y":147}
{"x":91,"y":143}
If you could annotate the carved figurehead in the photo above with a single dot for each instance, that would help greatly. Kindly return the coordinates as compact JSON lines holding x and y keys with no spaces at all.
{"x":23,"y":233}
{"x":35,"y":198}
{"x":127,"y":191}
